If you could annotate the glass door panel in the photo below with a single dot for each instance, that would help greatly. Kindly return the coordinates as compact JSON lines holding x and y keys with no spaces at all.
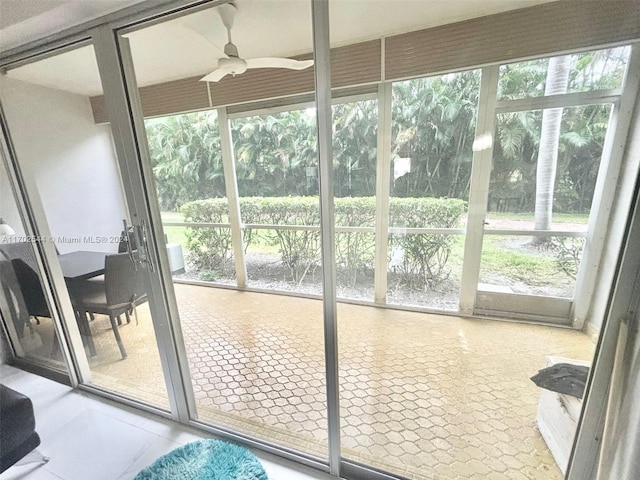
{"x":236,"y":184}
{"x":26,"y":313}
{"x":64,"y":142}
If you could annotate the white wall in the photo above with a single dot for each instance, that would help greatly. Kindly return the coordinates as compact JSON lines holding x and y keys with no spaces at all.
{"x":72,"y":159}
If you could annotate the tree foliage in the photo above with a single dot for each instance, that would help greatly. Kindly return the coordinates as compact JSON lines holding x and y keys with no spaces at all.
{"x":433,"y":125}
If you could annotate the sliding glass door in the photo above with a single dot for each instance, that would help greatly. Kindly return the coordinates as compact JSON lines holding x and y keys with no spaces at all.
{"x":237,"y":192}
{"x":27,"y":314}
{"x":68,"y":153}
{"x":261,"y":201}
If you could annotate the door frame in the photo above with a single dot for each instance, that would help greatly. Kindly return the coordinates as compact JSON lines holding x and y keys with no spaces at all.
{"x":31,"y":211}
{"x":125,"y":115}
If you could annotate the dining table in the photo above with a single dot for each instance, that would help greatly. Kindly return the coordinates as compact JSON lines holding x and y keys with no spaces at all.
{"x":77,"y":267}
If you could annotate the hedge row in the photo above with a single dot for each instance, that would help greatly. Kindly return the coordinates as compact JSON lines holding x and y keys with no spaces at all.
{"x":423,"y":257}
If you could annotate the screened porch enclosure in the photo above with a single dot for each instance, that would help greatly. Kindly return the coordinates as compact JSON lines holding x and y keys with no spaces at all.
{"x":410,"y":242}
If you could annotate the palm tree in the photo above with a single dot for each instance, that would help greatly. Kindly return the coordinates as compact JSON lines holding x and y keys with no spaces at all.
{"x":185,"y":154}
{"x":273,"y":153}
{"x":354,"y":148}
{"x":557,"y":83}
{"x":432,"y":123}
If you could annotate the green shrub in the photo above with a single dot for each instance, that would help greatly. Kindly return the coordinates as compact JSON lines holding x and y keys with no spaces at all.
{"x":568,"y":255}
{"x":210,"y":248}
{"x":424,"y":256}
{"x":299,"y":249}
{"x":355,"y":251}
{"x":207,"y":276}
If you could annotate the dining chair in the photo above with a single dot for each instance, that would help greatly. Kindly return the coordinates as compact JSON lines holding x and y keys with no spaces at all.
{"x":122,"y":290}
{"x":12,"y":305}
{"x":25,"y":267}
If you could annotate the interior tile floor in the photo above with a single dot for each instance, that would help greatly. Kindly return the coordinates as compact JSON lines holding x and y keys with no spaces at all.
{"x":422,"y":395}
{"x":88,"y":437}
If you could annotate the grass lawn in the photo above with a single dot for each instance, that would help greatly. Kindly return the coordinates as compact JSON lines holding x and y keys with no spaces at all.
{"x":174,"y":234}
{"x":501,"y":256}
{"x":510,"y":257}
{"x":557,"y":217}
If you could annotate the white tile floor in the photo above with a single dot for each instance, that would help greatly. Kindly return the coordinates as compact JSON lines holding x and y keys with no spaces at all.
{"x":88,"y":437}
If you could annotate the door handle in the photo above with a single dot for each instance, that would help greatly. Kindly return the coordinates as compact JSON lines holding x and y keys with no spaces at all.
{"x":144,"y":237}
{"x":127,"y":240}
{"x":139,"y":254}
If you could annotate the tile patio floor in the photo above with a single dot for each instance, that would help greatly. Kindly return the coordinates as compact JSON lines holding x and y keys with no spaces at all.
{"x":425,"y":396}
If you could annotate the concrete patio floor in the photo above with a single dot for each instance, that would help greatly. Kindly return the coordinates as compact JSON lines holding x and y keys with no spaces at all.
{"x":422,"y":395}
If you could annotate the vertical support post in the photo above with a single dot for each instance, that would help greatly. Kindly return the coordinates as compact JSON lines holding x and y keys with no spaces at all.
{"x":603,"y":227}
{"x":322,"y":62}
{"x":383,"y":180}
{"x":479,"y":190}
{"x":621,"y":306}
{"x":117,"y":74}
{"x":231,"y":187}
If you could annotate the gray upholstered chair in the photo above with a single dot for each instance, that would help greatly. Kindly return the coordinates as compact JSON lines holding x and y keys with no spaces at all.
{"x":18,"y":437}
{"x":123,"y":289}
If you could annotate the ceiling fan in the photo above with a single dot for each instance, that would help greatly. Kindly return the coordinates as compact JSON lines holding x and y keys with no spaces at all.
{"x":235,"y":65}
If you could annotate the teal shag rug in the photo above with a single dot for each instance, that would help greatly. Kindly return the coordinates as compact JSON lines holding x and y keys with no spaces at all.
{"x":206,"y":460}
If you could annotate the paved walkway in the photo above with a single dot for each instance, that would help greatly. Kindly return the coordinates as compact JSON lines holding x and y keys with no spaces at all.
{"x":425,"y":396}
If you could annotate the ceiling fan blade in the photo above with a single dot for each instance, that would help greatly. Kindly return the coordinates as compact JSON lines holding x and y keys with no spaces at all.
{"x":275,"y":62}
{"x":216,"y":75}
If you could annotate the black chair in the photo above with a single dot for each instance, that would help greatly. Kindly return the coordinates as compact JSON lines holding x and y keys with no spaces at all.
{"x":12,"y":305}
{"x":122,"y":290}
{"x":122,"y":248}
{"x":31,"y":288}
{"x":18,"y":436}
{"x":25,"y":268}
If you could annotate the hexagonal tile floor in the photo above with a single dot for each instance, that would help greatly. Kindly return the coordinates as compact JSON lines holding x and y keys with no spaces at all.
{"x":424,"y":396}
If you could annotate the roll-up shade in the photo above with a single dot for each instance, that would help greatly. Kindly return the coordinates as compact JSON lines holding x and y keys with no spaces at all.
{"x":167,"y":98}
{"x":355,"y":64}
{"x":536,"y":31}
{"x":555,"y":27}
{"x":307,"y":98}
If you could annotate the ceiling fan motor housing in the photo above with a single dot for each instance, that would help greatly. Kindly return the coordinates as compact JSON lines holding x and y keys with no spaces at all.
{"x":233,"y":65}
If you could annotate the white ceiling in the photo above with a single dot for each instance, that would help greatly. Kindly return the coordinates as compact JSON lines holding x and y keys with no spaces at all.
{"x":23,"y":21}
{"x":192,"y":44}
